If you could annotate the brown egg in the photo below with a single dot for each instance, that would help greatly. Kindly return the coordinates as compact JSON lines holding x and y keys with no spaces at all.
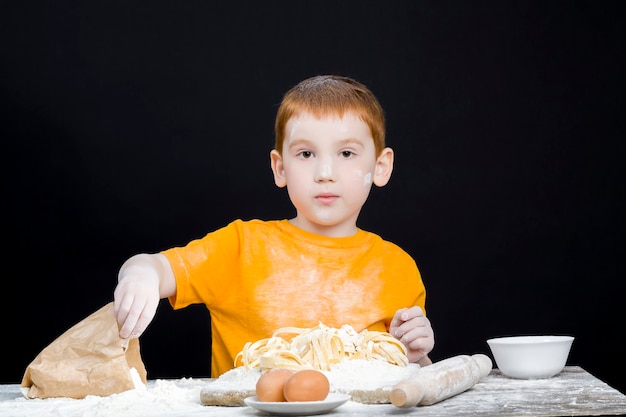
{"x":269,"y":387}
{"x":307,"y":385}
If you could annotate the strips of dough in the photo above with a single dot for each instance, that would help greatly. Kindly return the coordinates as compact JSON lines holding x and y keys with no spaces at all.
{"x":320,"y":347}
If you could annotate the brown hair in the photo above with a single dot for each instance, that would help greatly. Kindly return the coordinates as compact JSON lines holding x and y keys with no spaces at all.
{"x":325,"y":95}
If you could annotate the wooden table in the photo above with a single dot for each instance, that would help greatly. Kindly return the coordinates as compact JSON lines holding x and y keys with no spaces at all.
{"x":574,"y":392}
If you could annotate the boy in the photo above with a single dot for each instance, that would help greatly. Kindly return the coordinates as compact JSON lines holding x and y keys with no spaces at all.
{"x":258,"y":276}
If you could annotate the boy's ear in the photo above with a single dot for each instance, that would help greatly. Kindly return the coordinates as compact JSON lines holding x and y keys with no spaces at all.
{"x":278,"y":169}
{"x":384,"y":167}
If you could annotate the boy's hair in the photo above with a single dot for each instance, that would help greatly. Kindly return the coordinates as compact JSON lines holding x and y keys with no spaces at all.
{"x":328,"y":95}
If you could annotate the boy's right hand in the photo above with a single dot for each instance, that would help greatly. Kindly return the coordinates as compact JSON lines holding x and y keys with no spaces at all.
{"x":143,"y":280}
{"x":136,"y":299}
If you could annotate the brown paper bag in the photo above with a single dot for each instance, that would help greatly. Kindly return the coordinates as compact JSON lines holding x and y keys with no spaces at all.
{"x":88,"y":359}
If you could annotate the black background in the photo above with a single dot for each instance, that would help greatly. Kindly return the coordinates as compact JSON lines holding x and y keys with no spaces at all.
{"x":136,"y":126}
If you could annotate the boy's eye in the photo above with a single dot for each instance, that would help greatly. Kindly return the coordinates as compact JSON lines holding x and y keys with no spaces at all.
{"x":347,"y":154}
{"x":306,"y":154}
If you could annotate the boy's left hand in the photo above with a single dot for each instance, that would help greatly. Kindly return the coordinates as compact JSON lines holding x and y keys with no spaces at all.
{"x":413,"y":329}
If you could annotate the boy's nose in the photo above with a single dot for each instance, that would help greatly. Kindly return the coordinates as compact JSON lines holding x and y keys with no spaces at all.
{"x":324,"y":171}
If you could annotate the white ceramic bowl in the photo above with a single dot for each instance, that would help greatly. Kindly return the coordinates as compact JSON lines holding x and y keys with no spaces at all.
{"x":530,"y":357}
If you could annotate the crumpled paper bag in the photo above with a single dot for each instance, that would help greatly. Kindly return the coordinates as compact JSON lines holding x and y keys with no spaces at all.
{"x":88,"y":359}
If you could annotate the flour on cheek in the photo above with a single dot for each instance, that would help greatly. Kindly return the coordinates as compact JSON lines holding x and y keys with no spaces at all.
{"x":367,"y":179}
{"x":364,"y":179}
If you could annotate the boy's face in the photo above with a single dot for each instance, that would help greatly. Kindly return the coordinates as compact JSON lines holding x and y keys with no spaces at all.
{"x":328,"y":166}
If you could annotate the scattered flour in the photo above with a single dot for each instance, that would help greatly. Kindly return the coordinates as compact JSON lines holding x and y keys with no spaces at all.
{"x":345,"y":376}
{"x":159,"y":398}
{"x":178,"y":397}
{"x":238,"y":378}
{"x":360,"y":374}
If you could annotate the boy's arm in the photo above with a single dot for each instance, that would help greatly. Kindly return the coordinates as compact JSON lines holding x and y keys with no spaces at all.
{"x":142,"y":281}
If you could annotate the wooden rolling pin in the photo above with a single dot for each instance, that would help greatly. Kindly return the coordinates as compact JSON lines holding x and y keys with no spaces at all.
{"x":441,"y":380}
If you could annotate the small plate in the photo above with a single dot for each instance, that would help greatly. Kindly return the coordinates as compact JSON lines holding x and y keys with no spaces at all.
{"x":302,"y":408}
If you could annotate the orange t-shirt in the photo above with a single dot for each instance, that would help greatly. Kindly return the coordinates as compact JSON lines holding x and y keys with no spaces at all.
{"x":258,"y":276}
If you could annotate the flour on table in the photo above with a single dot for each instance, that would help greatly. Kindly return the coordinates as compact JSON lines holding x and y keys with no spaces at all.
{"x":239,"y":378}
{"x":361,"y":374}
{"x":165,"y":397}
{"x":344,"y":376}
{"x":159,"y":398}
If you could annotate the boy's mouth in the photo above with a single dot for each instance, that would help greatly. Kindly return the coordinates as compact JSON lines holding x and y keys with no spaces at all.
{"x":326,"y":198}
